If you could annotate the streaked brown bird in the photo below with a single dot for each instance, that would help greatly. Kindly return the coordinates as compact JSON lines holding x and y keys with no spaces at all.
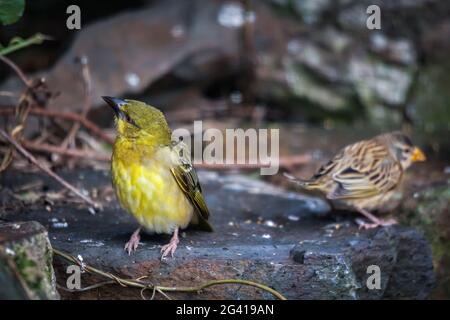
{"x":366,"y":174}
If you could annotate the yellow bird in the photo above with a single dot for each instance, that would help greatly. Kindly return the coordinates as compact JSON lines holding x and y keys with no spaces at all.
{"x":153,"y":177}
{"x":365,"y":175}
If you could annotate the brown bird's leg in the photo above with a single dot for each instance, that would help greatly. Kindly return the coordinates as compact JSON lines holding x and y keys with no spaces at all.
{"x":171,"y":246}
{"x":133,"y":243}
{"x":376,"y":222}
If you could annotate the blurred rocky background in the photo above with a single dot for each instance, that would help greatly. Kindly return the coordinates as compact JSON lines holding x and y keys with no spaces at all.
{"x":309,"y":67}
{"x":301,"y":60}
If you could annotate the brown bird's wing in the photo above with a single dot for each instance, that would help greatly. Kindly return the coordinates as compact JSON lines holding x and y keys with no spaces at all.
{"x":187,"y":179}
{"x":321,"y":179}
{"x":365,"y":170}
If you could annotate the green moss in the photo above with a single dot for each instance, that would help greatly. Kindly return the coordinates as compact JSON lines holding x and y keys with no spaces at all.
{"x":431,"y":109}
{"x":48,"y":265}
{"x":429,"y":212}
{"x":27,"y":269}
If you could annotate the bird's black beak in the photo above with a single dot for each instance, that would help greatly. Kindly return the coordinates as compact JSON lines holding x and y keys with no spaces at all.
{"x":116,"y":104}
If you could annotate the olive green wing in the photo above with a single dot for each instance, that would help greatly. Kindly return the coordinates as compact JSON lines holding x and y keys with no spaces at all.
{"x":187,"y":179}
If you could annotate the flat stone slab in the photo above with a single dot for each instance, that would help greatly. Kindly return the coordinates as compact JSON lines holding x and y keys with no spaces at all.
{"x":289,"y":241}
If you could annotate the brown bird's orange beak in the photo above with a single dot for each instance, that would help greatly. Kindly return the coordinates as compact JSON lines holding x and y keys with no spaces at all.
{"x":418,"y":155}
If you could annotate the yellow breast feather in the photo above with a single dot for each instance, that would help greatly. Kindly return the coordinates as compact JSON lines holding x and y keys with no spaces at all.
{"x":146,"y":188}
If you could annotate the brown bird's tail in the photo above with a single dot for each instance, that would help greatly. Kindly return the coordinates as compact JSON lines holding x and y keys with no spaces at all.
{"x":305,"y":184}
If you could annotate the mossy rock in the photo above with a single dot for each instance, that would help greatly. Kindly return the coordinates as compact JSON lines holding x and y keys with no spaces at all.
{"x":26,"y":255}
{"x":431,"y":109}
{"x":429,"y":211}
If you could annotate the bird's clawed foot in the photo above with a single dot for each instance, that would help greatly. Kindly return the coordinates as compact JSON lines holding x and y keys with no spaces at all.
{"x":388,"y":222}
{"x":378,"y":223}
{"x":133,"y":243}
{"x":375,"y":222}
{"x":171,"y":247}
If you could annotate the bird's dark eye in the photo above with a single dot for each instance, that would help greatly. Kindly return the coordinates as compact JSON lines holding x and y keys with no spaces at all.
{"x":407,"y":150}
{"x":129,"y":120}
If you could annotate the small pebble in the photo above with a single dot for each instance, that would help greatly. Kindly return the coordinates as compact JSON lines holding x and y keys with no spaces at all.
{"x":60,"y":225}
{"x":270,"y":224}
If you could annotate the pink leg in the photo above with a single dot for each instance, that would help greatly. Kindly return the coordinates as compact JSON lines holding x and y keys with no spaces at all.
{"x":171,"y":246}
{"x":376,"y":222}
{"x":133,"y":243}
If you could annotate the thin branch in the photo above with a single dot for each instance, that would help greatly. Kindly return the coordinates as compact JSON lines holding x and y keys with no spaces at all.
{"x":165,"y":295}
{"x":9,"y":94}
{"x":284,"y":162}
{"x":20,"y":111}
{"x":162,"y":289}
{"x":39,"y":112}
{"x":47,"y":170}
{"x":94,"y":286}
{"x":17,"y":70}
{"x":70,"y":139}
{"x":225,"y":281}
{"x":75,"y":153}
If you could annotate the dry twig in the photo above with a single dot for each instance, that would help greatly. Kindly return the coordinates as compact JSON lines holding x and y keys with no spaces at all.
{"x":73,"y":152}
{"x":64,"y":116}
{"x":17,"y":70}
{"x":70,"y":139}
{"x":47,"y":170}
{"x":136,"y":283}
{"x":35,"y":93}
{"x":284,"y":162}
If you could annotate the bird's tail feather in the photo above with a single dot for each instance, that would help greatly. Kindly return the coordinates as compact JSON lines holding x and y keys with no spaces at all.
{"x":306,"y":184}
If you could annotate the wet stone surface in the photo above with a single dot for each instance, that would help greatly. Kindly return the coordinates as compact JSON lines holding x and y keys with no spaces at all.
{"x":289,"y":241}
